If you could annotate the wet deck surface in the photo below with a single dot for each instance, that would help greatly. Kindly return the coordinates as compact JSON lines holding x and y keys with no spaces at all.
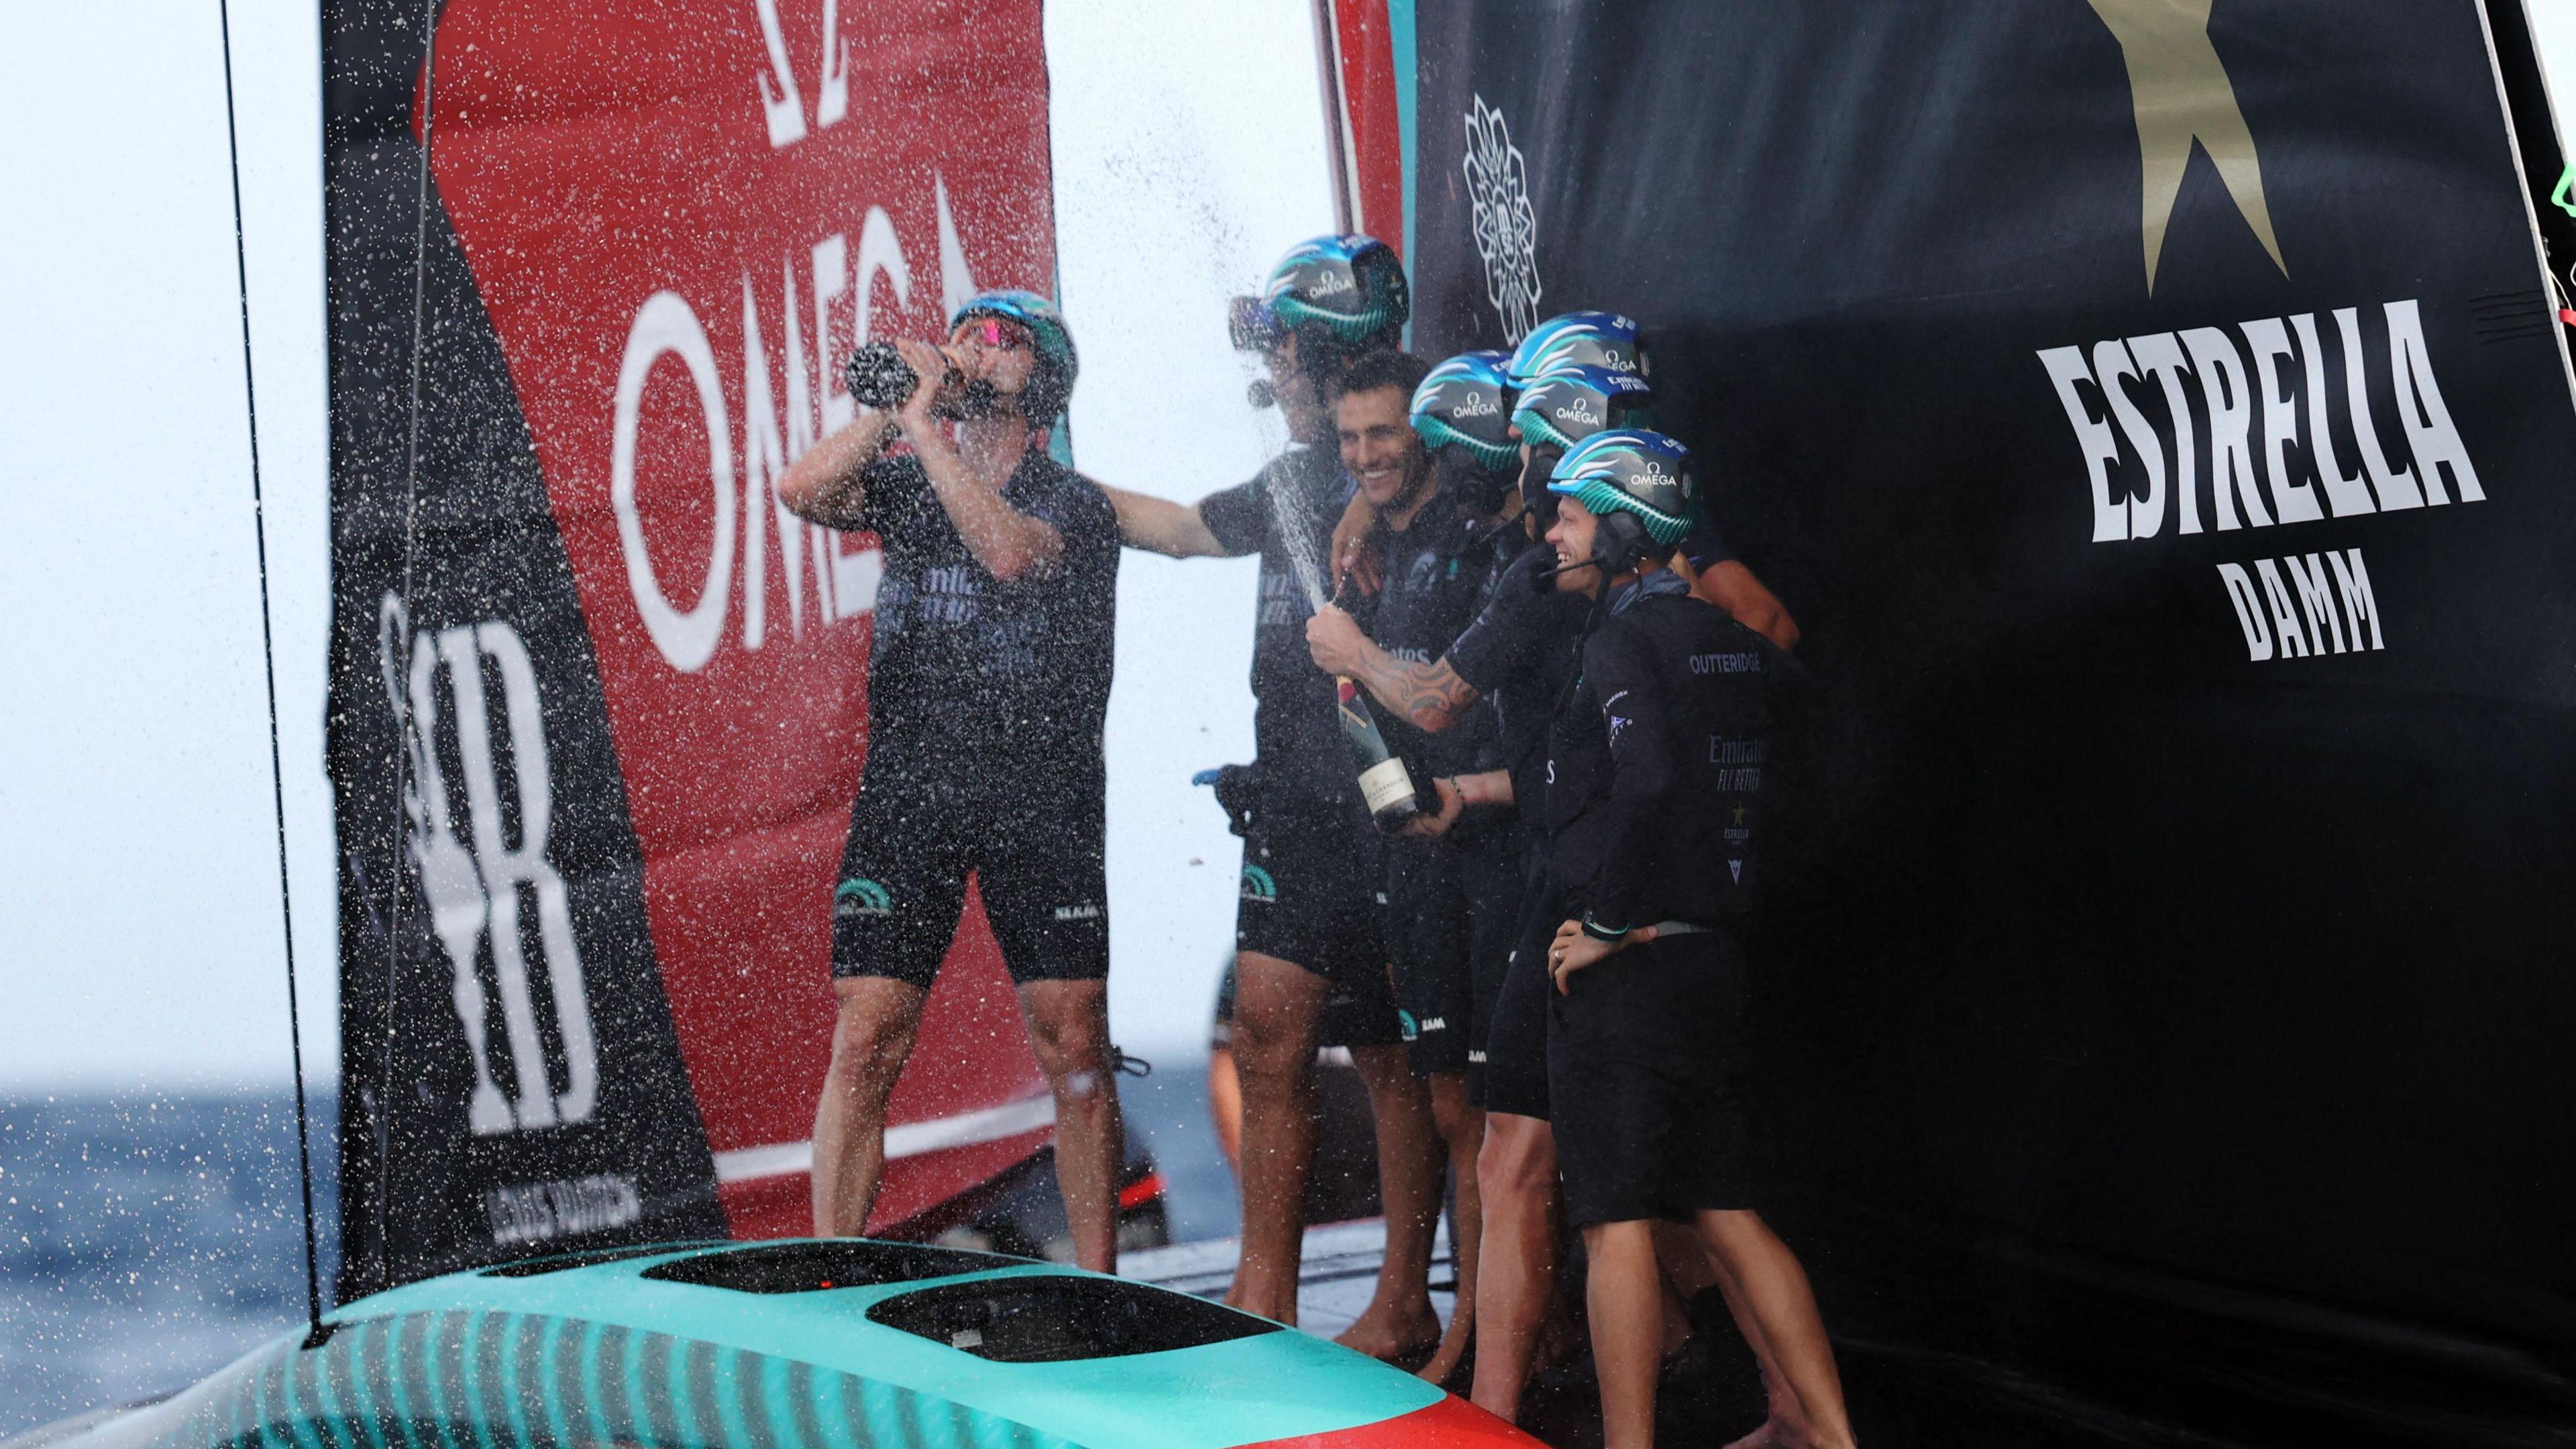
{"x":1335,"y":1276}
{"x":1711,"y":1391}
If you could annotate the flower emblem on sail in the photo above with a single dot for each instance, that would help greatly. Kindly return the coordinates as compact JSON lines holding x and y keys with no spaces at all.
{"x":1505,"y":224}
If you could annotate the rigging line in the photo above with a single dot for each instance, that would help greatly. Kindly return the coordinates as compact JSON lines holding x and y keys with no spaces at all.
{"x":314,"y":1334}
{"x":377,"y":1115}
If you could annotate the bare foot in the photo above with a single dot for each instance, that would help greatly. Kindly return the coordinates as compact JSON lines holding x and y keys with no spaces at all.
{"x":1772,"y":1435}
{"x":1238,"y":1297}
{"x":1392,"y":1334}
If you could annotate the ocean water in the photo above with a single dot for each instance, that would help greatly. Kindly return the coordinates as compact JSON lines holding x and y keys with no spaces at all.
{"x":146,"y":1241}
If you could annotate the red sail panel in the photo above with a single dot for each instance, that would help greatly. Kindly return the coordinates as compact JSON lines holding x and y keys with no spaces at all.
{"x":1366,"y":54}
{"x":680,"y":220}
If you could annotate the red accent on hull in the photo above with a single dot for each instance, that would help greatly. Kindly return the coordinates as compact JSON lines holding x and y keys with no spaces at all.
{"x":1452,"y":1423}
{"x":590,"y":165}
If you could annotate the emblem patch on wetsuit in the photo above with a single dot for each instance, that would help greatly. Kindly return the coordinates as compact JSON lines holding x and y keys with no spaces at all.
{"x":1404,"y":1020}
{"x":1257,"y":885}
{"x":862,"y":898}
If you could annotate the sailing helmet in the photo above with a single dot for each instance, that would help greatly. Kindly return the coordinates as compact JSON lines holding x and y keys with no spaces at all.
{"x":1051,"y":380}
{"x":1462,"y":402}
{"x":1599,"y":339}
{"x":1562,"y":407}
{"x":1639,"y":485}
{"x":1347,"y":291}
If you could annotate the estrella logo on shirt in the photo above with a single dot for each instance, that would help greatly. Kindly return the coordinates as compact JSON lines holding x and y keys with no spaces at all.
{"x":1257,"y":885}
{"x":862,"y":897}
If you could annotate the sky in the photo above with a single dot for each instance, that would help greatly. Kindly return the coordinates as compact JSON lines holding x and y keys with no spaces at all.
{"x":140,"y":939}
{"x":139,"y":923}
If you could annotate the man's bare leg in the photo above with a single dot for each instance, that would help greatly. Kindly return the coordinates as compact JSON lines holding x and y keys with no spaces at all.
{"x":1398,"y":1320}
{"x":1069,"y":1028}
{"x":1625,"y":1293}
{"x":1786,"y":1427}
{"x":1277,"y":1005}
{"x":1461,"y":1124}
{"x":872,"y":1037}
{"x":1777,"y":1298}
{"x":1516,"y":1270}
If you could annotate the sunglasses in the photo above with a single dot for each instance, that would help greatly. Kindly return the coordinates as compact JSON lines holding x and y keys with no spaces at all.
{"x":995,"y":333}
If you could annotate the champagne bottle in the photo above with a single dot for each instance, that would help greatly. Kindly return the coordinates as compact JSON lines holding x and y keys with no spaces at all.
{"x":1385,"y":783}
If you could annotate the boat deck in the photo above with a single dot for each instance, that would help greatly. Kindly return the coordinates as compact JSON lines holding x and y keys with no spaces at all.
{"x":1334,"y":1278}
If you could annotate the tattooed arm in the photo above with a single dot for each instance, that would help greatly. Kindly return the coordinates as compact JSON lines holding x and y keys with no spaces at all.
{"x":1432,"y":695}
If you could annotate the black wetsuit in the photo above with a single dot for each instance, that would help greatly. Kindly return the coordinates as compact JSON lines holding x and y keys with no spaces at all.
{"x":1654,"y":799}
{"x":1449,"y":899}
{"x":1522,"y":654}
{"x":985,"y":706}
{"x":1311,"y":891}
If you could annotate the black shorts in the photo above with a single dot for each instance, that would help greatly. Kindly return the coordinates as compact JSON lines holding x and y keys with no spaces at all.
{"x":1513,"y":1075}
{"x":1449,"y":914}
{"x":1646,"y":1069}
{"x":1033,"y":842}
{"x":1311,"y":897}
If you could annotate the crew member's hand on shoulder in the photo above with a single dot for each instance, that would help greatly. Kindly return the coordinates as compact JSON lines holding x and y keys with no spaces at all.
{"x":1352,"y":557}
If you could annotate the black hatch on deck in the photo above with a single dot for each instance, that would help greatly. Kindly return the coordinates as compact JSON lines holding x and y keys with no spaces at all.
{"x":810,"y":1267}
{"x":1048,"y":1319}
{"x":564,"y":1262}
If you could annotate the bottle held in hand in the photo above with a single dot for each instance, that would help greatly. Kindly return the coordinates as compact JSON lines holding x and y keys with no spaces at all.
{"x":879,"y":378}
{"x":1385,"y":783}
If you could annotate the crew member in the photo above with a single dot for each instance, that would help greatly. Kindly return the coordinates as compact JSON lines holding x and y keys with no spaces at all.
{"x":1615,"y":344}
{"x":1655,"y":770}
{"x":987,"y":685}
{"x":1450,"y":877}
{"x":1520,"y":650}
{"x":1311,"y":951}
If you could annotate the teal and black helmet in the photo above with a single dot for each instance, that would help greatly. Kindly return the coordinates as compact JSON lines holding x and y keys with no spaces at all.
{"x":1462,"y":401}
{"x":1595,"y":339}
{"x":1348,"y":288}
{"x":1562,"y":408}
{"x":1051,"y":380}
{"x":1643,"y":475}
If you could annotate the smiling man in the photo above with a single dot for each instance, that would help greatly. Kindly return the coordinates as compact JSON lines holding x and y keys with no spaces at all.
{"x":1447,"y":874}
{"x":1654,"y":782}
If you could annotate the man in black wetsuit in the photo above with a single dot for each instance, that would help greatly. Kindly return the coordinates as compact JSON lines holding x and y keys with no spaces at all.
{"x":1311,"y":951}
{"x":987,"y":685}
{"x":1655,"y":767}
{"x":1449,"y":878}
{"x":1520,"y":653}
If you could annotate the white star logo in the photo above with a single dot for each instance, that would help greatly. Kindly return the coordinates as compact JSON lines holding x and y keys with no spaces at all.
{"x":1505,"y":225}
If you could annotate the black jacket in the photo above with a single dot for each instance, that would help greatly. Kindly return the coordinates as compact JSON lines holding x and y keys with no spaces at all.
{"x":1655,"y":761}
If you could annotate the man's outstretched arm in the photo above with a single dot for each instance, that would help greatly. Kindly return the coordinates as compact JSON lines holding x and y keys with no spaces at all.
{"x":1159,"y":525}
{"x":1431,"y":696}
